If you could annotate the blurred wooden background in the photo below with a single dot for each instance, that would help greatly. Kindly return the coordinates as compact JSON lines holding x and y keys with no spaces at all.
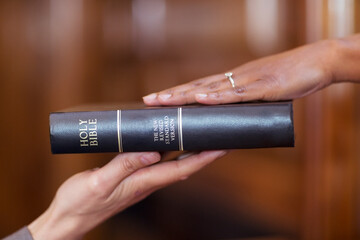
{"x":60,"y":53}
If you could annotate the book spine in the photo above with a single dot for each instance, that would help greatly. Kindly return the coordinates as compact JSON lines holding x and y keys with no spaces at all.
{"x":173,"y":129}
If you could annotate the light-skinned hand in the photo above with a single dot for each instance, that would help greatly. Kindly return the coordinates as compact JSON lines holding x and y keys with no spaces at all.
{"x":88,"y":198}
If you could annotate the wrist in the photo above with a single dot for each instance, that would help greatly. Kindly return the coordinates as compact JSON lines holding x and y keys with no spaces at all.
{"x":331,"y":52}
{"x":52,"y":226}
{"x":347,"y":59}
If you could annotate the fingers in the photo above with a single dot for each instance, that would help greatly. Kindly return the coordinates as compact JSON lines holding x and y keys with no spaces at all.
{"x":163,"y":174}
{"x":266,"y":89}
{"x":107,"y":178}
{"x":215,"y":89}
{"x":185,"y":94}
{"x":231,"y":95}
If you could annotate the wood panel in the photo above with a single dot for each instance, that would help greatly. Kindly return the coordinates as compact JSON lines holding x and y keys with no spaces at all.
{"x":23,"y":67}
{"x":57,"y":54}
{"x":332,"y":155}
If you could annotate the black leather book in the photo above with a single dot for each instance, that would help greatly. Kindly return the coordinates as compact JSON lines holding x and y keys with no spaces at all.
{"x":190,"y":128}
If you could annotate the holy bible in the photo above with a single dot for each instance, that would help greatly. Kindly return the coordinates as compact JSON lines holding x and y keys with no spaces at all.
{"x":185,"y":128}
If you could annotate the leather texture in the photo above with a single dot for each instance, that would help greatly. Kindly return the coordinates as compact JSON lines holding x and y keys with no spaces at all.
{"x":233,"y":126}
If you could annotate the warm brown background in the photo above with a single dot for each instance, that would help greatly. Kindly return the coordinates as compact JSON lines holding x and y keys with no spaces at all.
{"x":60,"y":53}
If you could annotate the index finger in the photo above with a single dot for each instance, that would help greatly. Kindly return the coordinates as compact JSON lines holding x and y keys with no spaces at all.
{"x":163,"y":174}
{"x":109,"y":176}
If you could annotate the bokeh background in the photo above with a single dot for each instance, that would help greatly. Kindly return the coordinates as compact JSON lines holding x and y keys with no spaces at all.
{"x":56,"y":54}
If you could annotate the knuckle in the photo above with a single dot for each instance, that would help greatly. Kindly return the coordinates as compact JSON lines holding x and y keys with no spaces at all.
{"x":226,"y":82}
{"x":239,"y":91}
{"x":138,"y":185}
{"x":95,"y":186}
{"x":183,"y":178}
{"x":166,"y":91}
{"x":128,"y":165}
{"x":198,"y":83}
{"x":138,"y":192}
{"x":177,"y":166}
{"x":270,"y":81}
{"x":214,"y":85}
{"x":183,"y":93}
{"x":181,"y":175}
{"x":273,"y":86}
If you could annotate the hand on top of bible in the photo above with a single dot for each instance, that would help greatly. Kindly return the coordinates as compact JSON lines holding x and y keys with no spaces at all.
{"x":289,"y":75}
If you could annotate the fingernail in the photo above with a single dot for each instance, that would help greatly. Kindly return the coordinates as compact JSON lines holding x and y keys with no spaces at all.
{"x":214,"y":95}
{"x":201,"y":95}
{"x":222,"y":153}
{"x":165,"y":96}
{"x":149,"y":158}
{"x":183,"y":178}
{"x":152,"y":96}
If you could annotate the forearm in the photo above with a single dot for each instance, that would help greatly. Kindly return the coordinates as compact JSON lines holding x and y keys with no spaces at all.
{"x":347,"y":63}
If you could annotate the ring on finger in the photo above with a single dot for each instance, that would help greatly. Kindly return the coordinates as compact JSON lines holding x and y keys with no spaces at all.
{"x":229,"y":76}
